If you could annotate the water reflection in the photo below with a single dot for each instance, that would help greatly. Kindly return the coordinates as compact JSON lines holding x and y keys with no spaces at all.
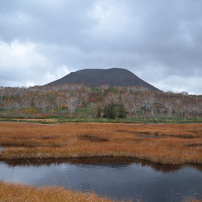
{"x":106,"y":161}
{"x":118,"y":178}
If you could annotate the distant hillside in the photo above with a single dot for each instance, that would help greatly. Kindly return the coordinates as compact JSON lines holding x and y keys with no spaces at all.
{"x":97,"y":77}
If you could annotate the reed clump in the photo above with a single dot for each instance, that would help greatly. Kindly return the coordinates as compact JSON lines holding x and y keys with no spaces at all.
{"x":164,"y":143}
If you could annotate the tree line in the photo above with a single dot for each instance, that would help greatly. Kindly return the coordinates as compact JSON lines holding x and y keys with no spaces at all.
{"x":103,"y":101}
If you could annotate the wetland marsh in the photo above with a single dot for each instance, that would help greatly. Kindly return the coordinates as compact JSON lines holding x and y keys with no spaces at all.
{"x":178,"y":145}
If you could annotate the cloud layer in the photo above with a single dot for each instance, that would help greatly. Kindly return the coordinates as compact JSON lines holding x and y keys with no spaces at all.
{"x":159,"y":41}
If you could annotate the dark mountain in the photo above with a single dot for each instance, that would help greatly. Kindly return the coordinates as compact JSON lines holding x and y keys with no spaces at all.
{"x":97,"y":77}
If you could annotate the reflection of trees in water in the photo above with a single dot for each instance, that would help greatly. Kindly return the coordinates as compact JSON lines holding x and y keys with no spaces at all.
{"x":96,"y":161}
{"x":166,"y":168}
{"x":104,"y":161}
{"x":198,"y":167}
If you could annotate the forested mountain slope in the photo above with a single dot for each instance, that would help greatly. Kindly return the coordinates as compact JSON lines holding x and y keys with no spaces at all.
{"x":80,"y":100}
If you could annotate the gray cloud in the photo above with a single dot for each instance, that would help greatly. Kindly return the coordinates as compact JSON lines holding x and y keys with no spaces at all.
{"x":159,"y":41}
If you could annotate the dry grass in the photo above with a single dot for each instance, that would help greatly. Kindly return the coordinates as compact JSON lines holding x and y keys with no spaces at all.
{"x":192,"y":200}
{"x":164,"y":143}
{"x":21,"y":193}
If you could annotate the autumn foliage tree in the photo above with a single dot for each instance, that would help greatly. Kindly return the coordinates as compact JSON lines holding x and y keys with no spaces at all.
{"x":103,"y":101}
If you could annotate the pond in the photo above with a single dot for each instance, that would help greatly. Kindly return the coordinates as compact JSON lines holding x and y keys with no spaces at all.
{"x":116,"y":178}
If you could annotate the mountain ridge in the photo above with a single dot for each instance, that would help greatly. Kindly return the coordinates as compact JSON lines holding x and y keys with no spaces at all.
{"x":97,"y":77}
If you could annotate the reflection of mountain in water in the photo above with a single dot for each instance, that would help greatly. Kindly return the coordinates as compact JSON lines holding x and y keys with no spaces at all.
{"x":107,"y":162}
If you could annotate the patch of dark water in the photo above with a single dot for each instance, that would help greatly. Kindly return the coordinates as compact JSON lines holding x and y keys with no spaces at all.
{"x":197,"y":146}
{"x":1,"y":149}
{"x":152,"y":136}
{"x":102,"y":161}
{"x":117,"y":178}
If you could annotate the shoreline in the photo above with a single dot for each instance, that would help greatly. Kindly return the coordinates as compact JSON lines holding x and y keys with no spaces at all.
{"x":77,"y":157}
{"x":21,"y":192}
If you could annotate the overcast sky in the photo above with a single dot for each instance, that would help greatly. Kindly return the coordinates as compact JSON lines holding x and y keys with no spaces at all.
{"x":158,"y":40}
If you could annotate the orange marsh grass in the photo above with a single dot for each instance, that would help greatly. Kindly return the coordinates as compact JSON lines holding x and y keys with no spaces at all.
{"x":19,"y":193}
{"x":164,"y":143}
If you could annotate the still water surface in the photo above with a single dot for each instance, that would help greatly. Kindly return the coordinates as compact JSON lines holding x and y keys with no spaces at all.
{"x":115,"y":178}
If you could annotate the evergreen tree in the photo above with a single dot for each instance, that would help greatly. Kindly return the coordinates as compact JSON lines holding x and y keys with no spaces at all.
{"x":109,"y":111}
{"x":114,"y":110}
{"x":99,"y":112}
{"x":121,"y":111}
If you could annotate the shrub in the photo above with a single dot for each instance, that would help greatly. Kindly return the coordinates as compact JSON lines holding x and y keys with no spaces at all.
{"x":114,"y":110}
{"x":31,"y":110}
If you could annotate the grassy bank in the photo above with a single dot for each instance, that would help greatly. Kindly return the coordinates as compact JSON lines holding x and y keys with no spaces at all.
{"x":19,"y":193}
{"x":138,"y":120}
{"x":163,"y":143}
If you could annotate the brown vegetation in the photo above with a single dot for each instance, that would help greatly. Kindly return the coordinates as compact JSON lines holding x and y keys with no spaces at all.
{"x":82,"y":101}
{"x":165,"y":144}
{"x":192,"y":200}
{"x":18,"y":193}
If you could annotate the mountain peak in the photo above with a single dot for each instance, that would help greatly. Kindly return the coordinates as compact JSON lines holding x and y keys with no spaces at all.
{"x":97,"y":77}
